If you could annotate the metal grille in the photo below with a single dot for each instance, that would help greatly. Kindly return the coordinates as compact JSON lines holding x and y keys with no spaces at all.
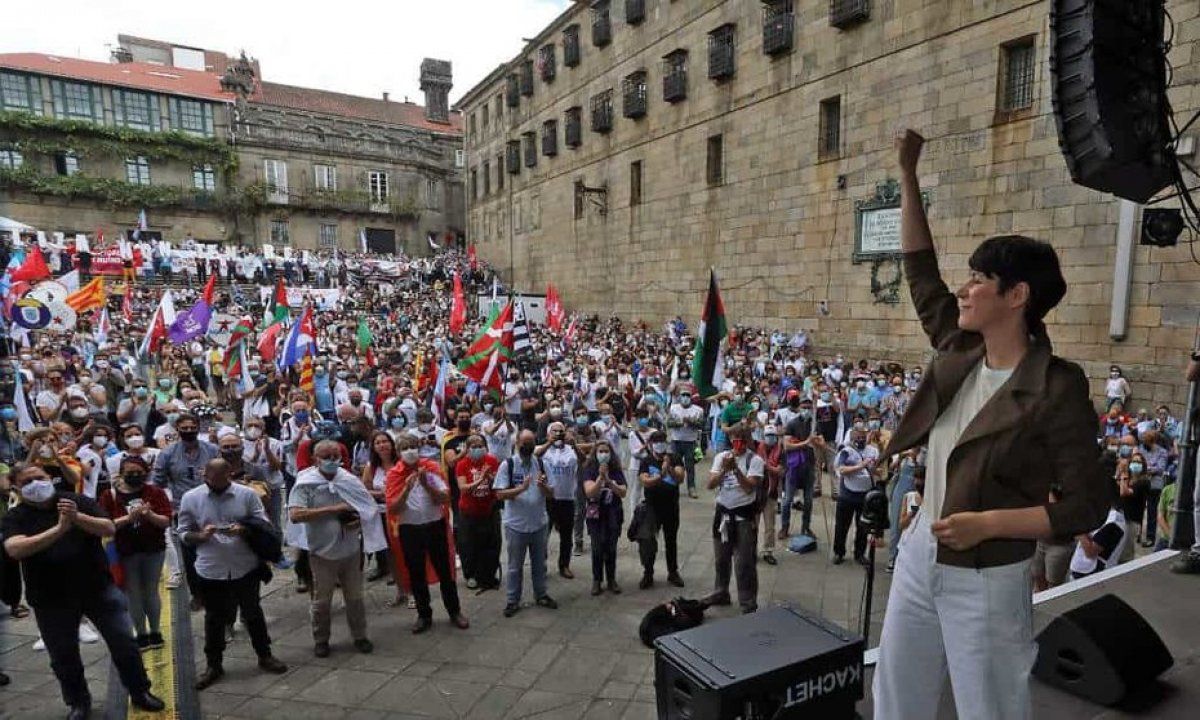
{"x":831,"y":128}
{"x":547,"y":63}
{"x":571,"y":46}
{"x":602,"y":111}
{"x":675,"y":76}
{"x":635,"y":11}
{"x":844,"y":13}
{"x":550,"y":138}
{"x":1018,"y":76}
{"x":601,"y":24}
{"x":634,"y":92}
{"x":527,"y":78}
{"x":778,"y":21}
{"x":574,"y":130}
{"x":721,"y":52}
{"x":715,"y":171}
{"x":530,"y":149}
{"x":513,"y":91}
{"x":513,"y":159}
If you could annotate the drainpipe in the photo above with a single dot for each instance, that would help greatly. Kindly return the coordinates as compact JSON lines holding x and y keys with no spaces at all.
{"x":1118,"y":323}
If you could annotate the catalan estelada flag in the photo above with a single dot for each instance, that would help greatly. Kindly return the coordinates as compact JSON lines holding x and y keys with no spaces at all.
{"x":88,"y":297}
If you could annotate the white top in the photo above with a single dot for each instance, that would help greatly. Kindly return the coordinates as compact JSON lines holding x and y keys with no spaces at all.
{"x":691,"y":417}
{"x":419,"y":507}
{"x":731,"y":494}
{"x":1084,"y":565}
{"x":976,"y":390}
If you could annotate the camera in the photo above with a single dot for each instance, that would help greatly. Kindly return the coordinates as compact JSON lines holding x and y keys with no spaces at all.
{"x":874,"y":517}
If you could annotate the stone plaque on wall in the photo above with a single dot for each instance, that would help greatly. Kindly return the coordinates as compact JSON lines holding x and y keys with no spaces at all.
{"x":877,"y":223}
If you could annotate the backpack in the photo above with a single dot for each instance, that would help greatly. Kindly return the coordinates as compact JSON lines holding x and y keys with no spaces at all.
{"x":802,"y":544}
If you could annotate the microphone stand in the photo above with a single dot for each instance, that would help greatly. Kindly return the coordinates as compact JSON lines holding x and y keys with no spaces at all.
{"x":1183,"y":534}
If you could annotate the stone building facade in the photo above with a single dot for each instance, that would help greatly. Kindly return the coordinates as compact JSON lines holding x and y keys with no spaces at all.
{"x":633,"y":145}
{"x":292,"y":166}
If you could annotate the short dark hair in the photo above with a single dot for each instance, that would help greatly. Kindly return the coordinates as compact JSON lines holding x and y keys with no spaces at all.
{"x":1013,"y":259}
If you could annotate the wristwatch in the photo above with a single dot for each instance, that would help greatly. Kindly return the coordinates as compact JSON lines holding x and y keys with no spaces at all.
{"x":1196,"y":357}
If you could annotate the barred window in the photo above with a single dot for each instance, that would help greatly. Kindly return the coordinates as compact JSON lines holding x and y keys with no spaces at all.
{"x":830,"y":128}
{"x":715,"y":161}
{"x":279,"y":233}
{"x":1016,"y":75}
{"x":328,"y":235}
{"x":66,"y":164}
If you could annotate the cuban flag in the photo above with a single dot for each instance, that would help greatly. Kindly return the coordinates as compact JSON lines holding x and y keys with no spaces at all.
{"x":141,"y":224}
{"x":301,"y":341}
{"x":102,"y":329}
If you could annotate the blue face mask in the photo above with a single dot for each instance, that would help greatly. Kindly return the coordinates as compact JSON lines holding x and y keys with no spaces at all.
{"x":581,"y":421}
{"x":8,"y":414}
{"x":330,"y":467}
{"x":302,"y":417}
{"x":1135,"y":468}
{"x":825,"y":397}
{"x":643,"y":422}
{"x":397,"y":422}
{"x":1126,"y":450}
{"x":476,"y":453}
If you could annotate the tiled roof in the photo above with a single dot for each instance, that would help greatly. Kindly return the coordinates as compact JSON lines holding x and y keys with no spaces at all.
{"x":363,"y":108}
{"x":140,"y":76}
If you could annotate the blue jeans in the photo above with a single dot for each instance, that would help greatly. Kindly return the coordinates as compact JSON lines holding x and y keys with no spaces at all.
{"x":686,"y":450}
{"x":518,"y":544}
{"x":904,"y":485}
{"x":798,"y":479}
{"x":109,"y":612}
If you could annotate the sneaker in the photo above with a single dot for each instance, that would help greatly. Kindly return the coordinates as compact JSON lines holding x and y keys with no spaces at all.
{"x":143,"y":642}
{"x":675,"y":579}
{"x":39,"y":645}
{"x":547,"y":602}
{"x":272,"y":664}
{"x":596,"y":589}
{"x":460,"y":621}
{"x":782,"y":535}
{"x":412,"y":603}
{"x":692,"y":494}
{"x":364,"y":646}
{"x":88,"y":635}
{"x":147,"y":701}
{"x":174,"y":580}
{"x":472,"y":583}
{"x":614,"y":588}
{"x":321,"y":650}
{"x":769,"y":559}
{"x":421,"y":625}
{"x":301,"y":587}
{"x":379,"y":572}
{"x":210,"y":675}
{"x":579,"y":548}
{"x":647,"y":581}
{"x":861,"y":560}
{"x":718,"y":599}
{"x":891,"y":567}
{"x":566,"y":573}
{"x":156,"y":640}
{"x":284,"y":564}
{"x":1188,"y":564}
{"x":511,"y":609}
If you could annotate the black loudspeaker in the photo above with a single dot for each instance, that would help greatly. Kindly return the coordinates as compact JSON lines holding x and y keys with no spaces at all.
{"x":775,"y":664}
{"x":1108,"y":69}
{"x":1100,"y":651}
{"x":1161,"y":227}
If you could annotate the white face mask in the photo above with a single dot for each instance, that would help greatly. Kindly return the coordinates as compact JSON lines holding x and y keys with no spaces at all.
{"x":79,"y":413}
{"x":99,"y":441}
{"x":37,"y":491}
{"x":659,"y":448}
{"x":46,"y":451}
{"x":410,"y":456}
{"x":135,"y":442}
{"x":253,"y":433}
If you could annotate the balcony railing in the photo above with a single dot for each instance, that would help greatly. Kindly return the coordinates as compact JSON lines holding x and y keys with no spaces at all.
{"x":633,"y":90}
{"x":721,"y":54}
{"x":635,"y":11}
{"x":547,"y":60}
{"x":601,"y":25}
{"x":527,"y":78}
{"x":777,"y":31}
{"x":675,"y":85}
{"x":573,"y":134}
{"x":530,"y":150}
{"x":571,"y":46}
{"x":512,"y":91}
{"x":550,"y":138}
{"x":846,"y":13}
{"x":602,"y":115}
{"x":512,"y":157}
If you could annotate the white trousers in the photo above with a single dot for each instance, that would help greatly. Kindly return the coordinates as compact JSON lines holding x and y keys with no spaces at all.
{"x":976,"y":624}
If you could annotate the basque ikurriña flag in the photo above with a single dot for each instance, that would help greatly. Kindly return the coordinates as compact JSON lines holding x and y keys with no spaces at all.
{"x":708,"y":365}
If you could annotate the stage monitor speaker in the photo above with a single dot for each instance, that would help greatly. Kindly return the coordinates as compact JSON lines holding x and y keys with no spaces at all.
{"x":1109,"y":77}
{"x":774,"y":664}
{"x":1101,"y":651}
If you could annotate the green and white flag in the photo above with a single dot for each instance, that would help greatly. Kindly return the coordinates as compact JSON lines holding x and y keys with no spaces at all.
{"x":708,"y":365}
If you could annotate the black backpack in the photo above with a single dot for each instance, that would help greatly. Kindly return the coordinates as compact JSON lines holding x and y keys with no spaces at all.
{"x":671,"y":617}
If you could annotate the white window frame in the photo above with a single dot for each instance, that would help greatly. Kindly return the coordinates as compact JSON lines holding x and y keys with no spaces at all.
{"x":137,"y":170}
{"x":276,"y":179}
{"x":377,"y":186}
{"x":327,"y":235}
{"x":325,"y":177}
{"x":70,"y":164}
{"x":17,"y":92}
{"x":68,"y":99}
{"x":280,"y":232}
{"x":460,"y":158}
{"x":433,"y":194}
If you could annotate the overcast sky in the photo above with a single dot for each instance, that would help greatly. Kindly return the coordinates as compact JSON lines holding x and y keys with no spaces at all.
{"x":362,"y":47}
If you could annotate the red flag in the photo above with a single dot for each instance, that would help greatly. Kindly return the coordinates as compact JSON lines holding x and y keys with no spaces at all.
{"x":554,"y":309}
{"x":458,"y":308}
{"x":267,"y":341}
{"x":33,"y":269}
{"x":471,"y":257}
{"x":127,"y":304}
{"x":490,"y":351}
{"x":209,"y":288}
{"x":570,"y":334}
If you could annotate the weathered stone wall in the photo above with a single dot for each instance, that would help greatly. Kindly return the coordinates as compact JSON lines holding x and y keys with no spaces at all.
{"x":779,"y":230}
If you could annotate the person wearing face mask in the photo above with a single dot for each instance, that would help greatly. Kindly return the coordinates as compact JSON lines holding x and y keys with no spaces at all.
{"x":771,"y":452}
{"x":141,"y":514}
{"x":1133,"y":491}
{"x":55,"y":536}
{"x":133,"y":443}
{"x":11,"y":447}
{"x":521,"y":483}
{"x":800,"y":442}
{"x":500,"y":433}
{"x":479,"y":542}
{"x":417,"y":504}
{"x":736,"y":475}
{"x":660,"y":472}
{"x":137,"y":407}
{"x":1116,"y":388}
{"x":331,"y":513}
{"x":583,"y":437}
{"x":855,"y":465}
{"x":213,"y":518}
{"x":604,"y":487}
{"x":685,"y":420}
{"x":47,"y":451}
{"x":51,"y":401}
{"x":178,"y":468}
{"x":92,"y":455}
{"x":266,"y":454}
{"x":561,"y":463}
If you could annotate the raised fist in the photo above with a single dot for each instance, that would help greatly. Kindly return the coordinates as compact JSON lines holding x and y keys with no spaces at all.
{"x":908,"y":147}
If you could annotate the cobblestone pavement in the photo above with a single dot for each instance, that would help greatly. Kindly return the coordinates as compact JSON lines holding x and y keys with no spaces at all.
{"x":583,"y":660}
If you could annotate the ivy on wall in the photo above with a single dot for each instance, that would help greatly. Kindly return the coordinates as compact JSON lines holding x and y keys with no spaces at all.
{"x":114,"y":193}
{"x":37,"y":134}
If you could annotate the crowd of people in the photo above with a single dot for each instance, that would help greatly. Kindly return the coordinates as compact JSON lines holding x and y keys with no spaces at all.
{"x":199,"y":481}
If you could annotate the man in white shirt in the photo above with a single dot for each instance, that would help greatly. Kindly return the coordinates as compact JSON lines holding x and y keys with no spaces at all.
{"x":855,"y":465}
{"x":684,"y":422}
{"x":736,"y":475}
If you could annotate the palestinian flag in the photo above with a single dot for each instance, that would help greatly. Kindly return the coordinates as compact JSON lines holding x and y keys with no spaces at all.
{"x":363,"y":336}
{"x":277,"y":310}
{"x":708,"y":365}
{"x":491,"y":350}
{"x":233,"y":357}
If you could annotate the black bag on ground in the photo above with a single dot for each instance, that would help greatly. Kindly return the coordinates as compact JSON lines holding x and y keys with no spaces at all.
{"x":671,"y":617}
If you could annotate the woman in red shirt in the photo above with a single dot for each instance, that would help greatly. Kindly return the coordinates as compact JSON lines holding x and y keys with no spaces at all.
{"x":480,"y":524}
{"x":141,"y":513}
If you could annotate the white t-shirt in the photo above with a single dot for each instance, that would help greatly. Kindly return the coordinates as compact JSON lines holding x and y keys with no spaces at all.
{"x":976,"y":390}
{"x":1112,"y":534}
{"x":687,"y":431}
{"x":731,"y":494}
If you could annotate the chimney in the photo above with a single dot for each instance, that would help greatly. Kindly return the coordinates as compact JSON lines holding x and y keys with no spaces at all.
{"x":436,"y":84}
{"x":385,"y":96}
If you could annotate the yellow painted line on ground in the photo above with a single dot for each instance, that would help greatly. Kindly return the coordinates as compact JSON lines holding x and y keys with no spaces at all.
{"x":160,"y":666}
